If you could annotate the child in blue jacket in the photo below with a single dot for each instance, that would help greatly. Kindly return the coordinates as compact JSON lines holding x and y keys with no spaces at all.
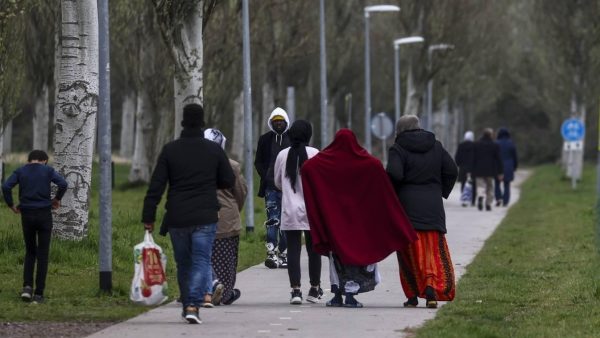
{"x":35,"y":206}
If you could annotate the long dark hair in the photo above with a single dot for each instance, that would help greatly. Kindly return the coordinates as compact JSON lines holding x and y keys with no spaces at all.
{"x":300,"y":133}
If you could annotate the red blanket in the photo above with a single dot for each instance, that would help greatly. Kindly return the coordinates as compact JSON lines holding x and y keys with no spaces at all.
{"x":352,"y":207}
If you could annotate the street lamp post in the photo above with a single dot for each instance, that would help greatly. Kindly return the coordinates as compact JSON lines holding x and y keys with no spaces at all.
{"x":430,"y":50}
{"x":368,"y":10}
{"x":248,"y":169}
{"x":397,"y":43}
{"x":323,"y":59}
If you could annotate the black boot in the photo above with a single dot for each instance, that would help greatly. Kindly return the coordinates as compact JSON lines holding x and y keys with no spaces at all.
{"x":351,"y":301}
{"x":337,"y":300}
{"x":431,"y":301}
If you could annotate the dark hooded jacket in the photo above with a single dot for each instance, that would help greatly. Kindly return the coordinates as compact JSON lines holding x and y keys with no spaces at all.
{"x":508,"y":154}
{"x":488,"y":162}
{"x":422,"y":173}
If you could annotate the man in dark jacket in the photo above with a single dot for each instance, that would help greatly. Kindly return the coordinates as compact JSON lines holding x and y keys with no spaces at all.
{"x":193,"y":168}
{"x":464,"y":161}
{"x":508,"y":153}
{"x":269,"y":145}
{"x":487,"y":166}
{"x":422,"y":173}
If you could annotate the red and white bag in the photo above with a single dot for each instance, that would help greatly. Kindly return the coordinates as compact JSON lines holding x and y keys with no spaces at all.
{"x":149,"y":285}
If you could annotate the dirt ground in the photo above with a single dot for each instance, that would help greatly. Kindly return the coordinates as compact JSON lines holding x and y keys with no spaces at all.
{"x":50,"y":329}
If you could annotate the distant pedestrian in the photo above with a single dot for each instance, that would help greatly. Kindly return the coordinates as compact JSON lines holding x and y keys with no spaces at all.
{"x":294,"y":221}
{"x":464,"y":160}
{"x":423,"y":173}
{"x":269,"y":145}
{"x":229,"y":227}
{"x":35,"y":204}
{"x":508,"y":153}
{"x":193,"y":168}
{"x":354,"y":216}
{"x":487,"y":166}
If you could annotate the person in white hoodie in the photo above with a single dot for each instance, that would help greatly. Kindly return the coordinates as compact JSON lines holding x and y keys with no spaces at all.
{"x":269,"y":145}
{"x":294,"y":220}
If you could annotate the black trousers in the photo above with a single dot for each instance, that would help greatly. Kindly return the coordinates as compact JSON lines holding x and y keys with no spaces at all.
{"x":37,"y":231}
{"x":294,"y":242}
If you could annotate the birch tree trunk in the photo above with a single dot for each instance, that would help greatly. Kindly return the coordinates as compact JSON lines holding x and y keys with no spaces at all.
{"x":127,"y":126}
{"x":140,"y":165}
{"x":413,"y":99}
{"x":75,"y":114}
{"x":237,"y":137}
{"x":268,"y":104}
{"x":41,"y":118}
{"x":7,"y":137}
{"x":188,"y":79}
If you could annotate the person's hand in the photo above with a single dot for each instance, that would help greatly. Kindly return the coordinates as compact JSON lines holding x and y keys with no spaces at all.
{"x":55,"y":204}
{"x":16,"y":210}
{"x":500,"y":177}
{"x":149,"y":226}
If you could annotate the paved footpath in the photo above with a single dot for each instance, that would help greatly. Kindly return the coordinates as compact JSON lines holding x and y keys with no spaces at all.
{"x":264,"y":309}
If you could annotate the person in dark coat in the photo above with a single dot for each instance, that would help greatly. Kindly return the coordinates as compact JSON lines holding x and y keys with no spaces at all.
{"x":487,"y":166}
{"x":508,"y":153}
{"x":269,"y":146}
{"x":193,"y":168}
{"x":422,"y":173}
{"x":464,"y":160}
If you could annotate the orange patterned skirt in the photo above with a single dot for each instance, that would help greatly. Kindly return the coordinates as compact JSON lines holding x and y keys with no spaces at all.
{"x":426,"y":262}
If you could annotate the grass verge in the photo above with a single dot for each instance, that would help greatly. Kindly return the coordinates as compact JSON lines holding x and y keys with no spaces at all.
{"x":72,"y":286}
{"x":538,"y":275}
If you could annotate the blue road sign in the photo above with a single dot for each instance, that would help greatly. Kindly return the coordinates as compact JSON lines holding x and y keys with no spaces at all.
{"x":572,"y":130}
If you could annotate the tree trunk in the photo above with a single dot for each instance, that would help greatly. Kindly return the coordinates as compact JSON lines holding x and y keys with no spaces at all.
{"x":41,"y":118}
{"x":413,"y":99}
{"x":1,"y":146}
{"x":237,"y":137}
{"x":127,"y":126}
{"x":75,"y":114}
{"x":141,"y":167}
{"x":7,"y":137}
{"x":188,"y":81}
{"x":268,"y":104}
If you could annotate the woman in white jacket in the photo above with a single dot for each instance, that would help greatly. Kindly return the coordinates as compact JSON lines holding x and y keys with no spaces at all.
{"x":294,"y":220}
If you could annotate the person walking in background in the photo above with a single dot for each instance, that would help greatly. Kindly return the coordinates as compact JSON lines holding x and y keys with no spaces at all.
{"x":35,"y":204}
{"x":227,"y":240}
{"x":486,"y":167}
{"x":354,"y":216}
{"x":294,"y":222}
{"x":464,"y":161}
{"x":423,"y":173}
{"x":193,"y":168}
{"x":508,"y":154}
{"x":269,"y":145}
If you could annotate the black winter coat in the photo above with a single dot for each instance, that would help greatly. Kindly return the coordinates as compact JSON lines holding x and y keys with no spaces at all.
{"x":422,"y":173}
{"x":194,"y":168}
{"x":464,"y":159}
{"x":266,"y":153}
{"x":487,"y":161}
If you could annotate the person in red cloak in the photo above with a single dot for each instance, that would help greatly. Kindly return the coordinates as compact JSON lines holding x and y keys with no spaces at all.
{"x":353,"y":211}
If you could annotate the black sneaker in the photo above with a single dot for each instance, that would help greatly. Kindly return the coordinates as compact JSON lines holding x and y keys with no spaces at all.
{"x":480,"y":203}
{"x":26,"y":294}
{"x":37,"y":299}
{"x":314,"y":294}
{"x":296,"y":298}
{"x":235,"y":295}
{"x":272,"y":262}
{"x":488,"y":208}
{"x":283,"y":261}
{"x":191,"y":315}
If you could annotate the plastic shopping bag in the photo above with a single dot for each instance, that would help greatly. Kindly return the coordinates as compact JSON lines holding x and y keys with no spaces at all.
{"x":149,"y":285}
{"x":467,"y":194}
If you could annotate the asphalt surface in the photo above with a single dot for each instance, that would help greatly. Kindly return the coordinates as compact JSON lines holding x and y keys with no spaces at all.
{"x":264,"y":310}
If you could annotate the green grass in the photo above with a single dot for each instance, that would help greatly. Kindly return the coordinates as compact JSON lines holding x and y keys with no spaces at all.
{"x":539,"y":273}
{"x":72,"y":286}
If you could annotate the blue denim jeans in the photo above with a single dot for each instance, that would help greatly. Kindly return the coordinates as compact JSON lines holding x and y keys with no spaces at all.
{"x":192,"y":248}
{"x":502,"y":191}
{"x":273,"y":206}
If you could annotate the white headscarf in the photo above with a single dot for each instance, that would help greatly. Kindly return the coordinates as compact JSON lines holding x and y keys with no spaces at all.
{"x":469,"y":136}
{"x":216,"y":136}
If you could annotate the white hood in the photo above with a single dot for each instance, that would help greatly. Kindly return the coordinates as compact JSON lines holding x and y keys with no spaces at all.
{"x":279,"y":111}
